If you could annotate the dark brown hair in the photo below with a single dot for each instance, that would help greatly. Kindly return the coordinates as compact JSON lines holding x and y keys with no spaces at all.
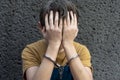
{"x":62,"y":6}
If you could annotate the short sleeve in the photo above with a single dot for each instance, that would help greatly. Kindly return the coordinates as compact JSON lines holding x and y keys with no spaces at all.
{"x":29,"y":59}
{"x":85,"y":57}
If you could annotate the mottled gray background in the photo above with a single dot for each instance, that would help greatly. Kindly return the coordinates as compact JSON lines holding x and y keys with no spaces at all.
{"x":99,"y":30}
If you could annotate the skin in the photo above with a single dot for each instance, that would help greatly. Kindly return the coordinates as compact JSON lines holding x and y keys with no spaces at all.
{"x":55,"y":39}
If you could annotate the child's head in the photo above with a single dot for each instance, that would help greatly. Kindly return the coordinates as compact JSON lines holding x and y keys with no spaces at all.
{"x":62,"y":6}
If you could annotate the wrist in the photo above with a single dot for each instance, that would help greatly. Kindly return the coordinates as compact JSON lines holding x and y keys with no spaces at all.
{"x":52,"y":60}
{"x":67,"y":44}
{"x":70,"y":55}
{"x":70,"y":50}
{"x":73,"y":57}
{"x":54,"y":44}
{"x":52,"y":50}
{"x":52,"y":56}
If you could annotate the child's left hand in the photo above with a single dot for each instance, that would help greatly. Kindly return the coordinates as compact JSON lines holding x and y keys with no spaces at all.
{"x":70,"y":28}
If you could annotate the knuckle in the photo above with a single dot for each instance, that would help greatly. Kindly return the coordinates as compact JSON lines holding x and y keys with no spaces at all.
{"x":47,"y":30}
{"x":76,"y":30}
{"x":51,"y":18}
{"x":56,"y":28}
{"x":59,"y":31}
{"x":51,"y":29}
{"x":56,"y":20}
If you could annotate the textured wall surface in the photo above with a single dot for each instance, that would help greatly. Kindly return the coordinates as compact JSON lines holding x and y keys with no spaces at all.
{"x":99,"y":30}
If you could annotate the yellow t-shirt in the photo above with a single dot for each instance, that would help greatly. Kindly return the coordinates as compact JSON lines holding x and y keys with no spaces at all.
{"x":33,"y":53}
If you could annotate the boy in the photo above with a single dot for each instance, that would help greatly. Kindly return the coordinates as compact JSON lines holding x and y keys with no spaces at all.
{"x":57,"y":56}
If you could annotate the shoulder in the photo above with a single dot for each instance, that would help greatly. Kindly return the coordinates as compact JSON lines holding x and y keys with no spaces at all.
{"x":35,"y":47}
{"x":36,"y":44}
{"x":81,"y":49}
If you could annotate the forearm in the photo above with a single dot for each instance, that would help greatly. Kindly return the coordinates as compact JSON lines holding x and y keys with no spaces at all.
{"x":46,"y":67}
{"x":78,"y":70}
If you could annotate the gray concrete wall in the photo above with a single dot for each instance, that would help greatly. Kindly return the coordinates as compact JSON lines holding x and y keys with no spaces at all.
{"x":99,"y":30}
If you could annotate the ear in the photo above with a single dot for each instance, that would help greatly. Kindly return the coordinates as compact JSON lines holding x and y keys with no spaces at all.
{"x":40,"y":26}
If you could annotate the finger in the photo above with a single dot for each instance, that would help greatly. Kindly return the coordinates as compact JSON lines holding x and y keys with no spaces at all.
{"x":72,"y":18}
{"x":75,"y":20}
{"x":46,"y":21}
{"x":56,"y":19}
{"x":68,"y":18}
{"x":65,"y":23}
{"x":51,"y":19}
{"x":61,"y":22}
